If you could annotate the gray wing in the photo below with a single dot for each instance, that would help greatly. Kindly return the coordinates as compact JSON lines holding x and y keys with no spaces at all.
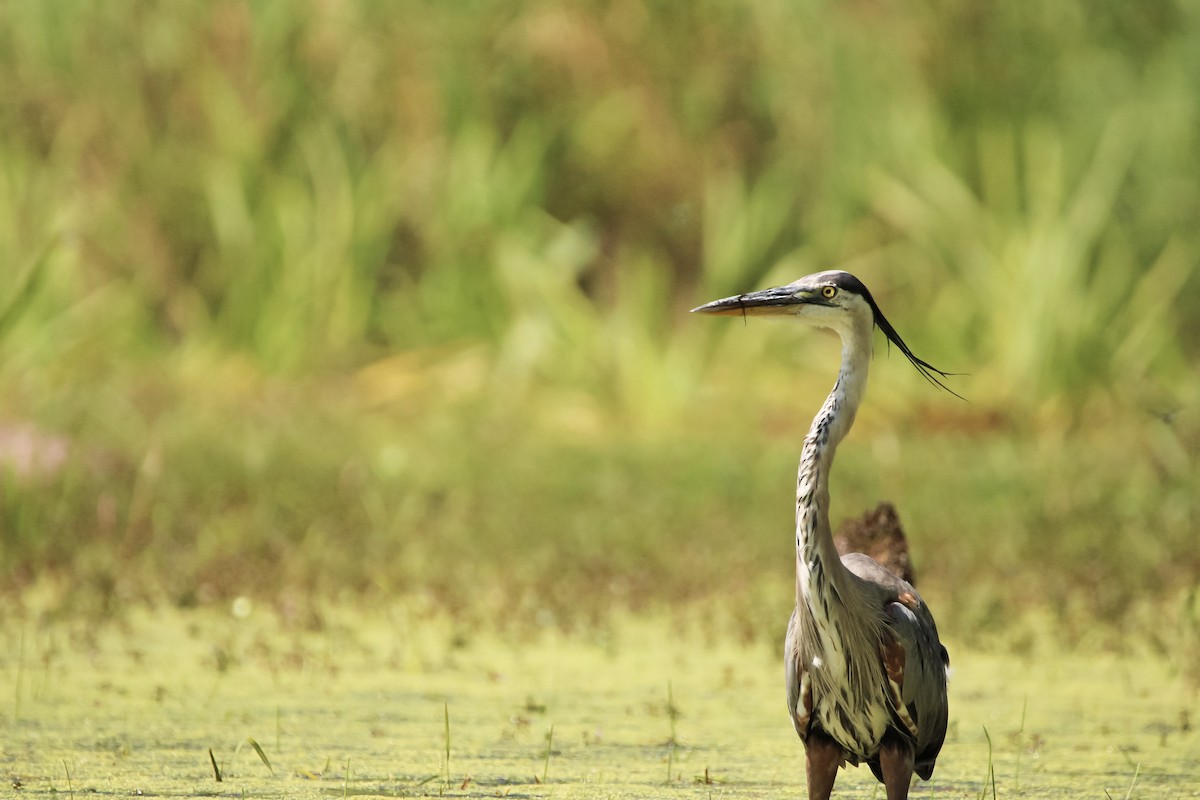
{"x":799,"y":699}
{"x":914,"y":659}
{"x":922,"y":684}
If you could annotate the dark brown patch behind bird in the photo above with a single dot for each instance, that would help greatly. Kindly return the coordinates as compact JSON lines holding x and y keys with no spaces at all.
{"x":878,"y":534}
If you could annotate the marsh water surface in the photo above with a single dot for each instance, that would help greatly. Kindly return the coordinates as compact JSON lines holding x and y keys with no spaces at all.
{"x":365,"y":704}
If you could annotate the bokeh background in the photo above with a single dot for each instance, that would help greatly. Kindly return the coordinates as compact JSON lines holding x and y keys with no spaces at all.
{"x":312,"y":301}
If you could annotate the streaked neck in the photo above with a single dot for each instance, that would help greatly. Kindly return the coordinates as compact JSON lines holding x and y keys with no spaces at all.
{"x":816,"y":557}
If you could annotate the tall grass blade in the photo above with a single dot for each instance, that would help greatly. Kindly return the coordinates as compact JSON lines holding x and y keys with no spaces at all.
{"x":990,"y":777}
{"x":1020,"y":745}
{"x":1136,"y":771}
{"x":262,"y":756}
{"x":673,"y":742}
{"x":672,"y":713}
{"x":446,"y":720}
{"x":549,"y":747}
{"x":216,"y":770}
{"x":20,"y":677}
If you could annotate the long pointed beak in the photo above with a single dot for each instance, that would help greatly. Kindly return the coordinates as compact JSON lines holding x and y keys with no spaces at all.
{"x":780,"y":301}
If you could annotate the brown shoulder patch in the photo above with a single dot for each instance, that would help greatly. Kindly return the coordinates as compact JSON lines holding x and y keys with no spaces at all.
{"x":893,"y":655}
{"x":893,"y":659}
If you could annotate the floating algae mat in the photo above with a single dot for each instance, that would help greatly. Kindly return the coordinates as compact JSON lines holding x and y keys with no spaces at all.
{"x":372,"y":704}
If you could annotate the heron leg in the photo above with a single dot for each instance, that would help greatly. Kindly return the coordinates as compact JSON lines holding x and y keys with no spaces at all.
{"x":822,"y":756}
{"x":895,"y":765}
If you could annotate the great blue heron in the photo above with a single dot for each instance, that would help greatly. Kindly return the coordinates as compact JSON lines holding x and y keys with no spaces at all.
{"x":866,"y":672}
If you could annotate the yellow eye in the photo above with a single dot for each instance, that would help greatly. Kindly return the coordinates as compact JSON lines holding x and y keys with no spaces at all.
{"x":829,"y":292}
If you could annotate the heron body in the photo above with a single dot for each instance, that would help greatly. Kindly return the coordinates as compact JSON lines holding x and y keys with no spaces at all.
{"x":865,"y":670}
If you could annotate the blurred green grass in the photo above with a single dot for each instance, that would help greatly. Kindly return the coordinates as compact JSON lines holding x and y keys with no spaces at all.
{"x":327,"y":298}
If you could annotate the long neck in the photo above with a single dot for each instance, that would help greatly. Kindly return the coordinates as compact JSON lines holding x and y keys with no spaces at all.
{"x":817,"y":561}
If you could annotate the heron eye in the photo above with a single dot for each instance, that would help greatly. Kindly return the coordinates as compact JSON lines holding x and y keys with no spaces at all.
{"x":829,"y":292}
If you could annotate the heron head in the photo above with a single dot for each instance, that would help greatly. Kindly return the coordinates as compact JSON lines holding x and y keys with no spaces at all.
{"x":826,"y":299}
{"x":830,"y":299}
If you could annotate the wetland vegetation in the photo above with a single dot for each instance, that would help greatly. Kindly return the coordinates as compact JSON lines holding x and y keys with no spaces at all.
{"x":347,"y":386}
